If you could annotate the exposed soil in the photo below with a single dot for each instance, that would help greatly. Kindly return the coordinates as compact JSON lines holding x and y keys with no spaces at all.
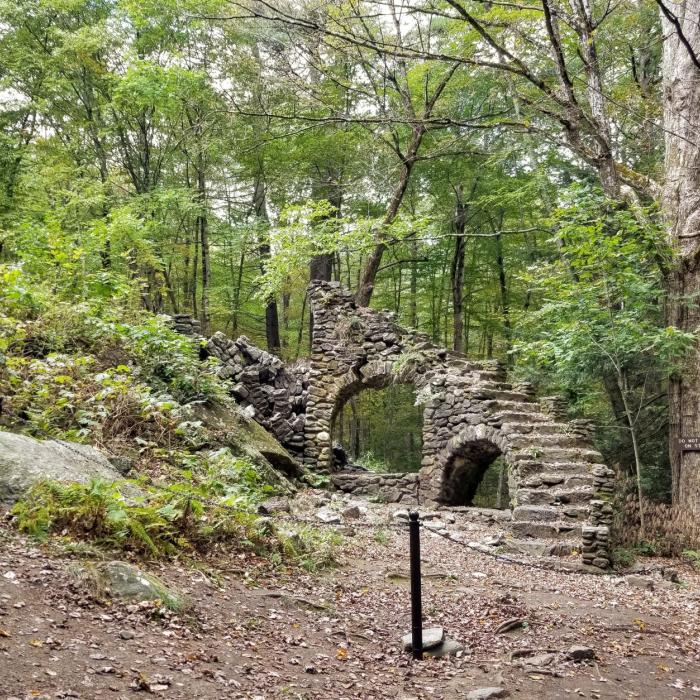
{"x":255,"y":632}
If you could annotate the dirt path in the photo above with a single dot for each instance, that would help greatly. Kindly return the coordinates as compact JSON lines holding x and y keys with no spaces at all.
{"x":255,"y":633}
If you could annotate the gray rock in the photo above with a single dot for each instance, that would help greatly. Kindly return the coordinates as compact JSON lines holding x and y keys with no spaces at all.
{"x":274,"y":505}
{"x":449,"y":647}
{"x":642,"y":582}
{"x":352,"y":512}
{"x":326,"y":515}
{"x":580,"y":653}
{"x":399,"y":515}
{"x":24,"y":461}
{"x":540,"y":660}
{"x":432,"y":637}
{"x":128,"y":582}
{"x":487,"y":693}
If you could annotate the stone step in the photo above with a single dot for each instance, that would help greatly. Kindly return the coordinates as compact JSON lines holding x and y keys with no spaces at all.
{"x":537,"y":439}
{"x":550,"y":513}
{"x":543,"y":548}
{"x":520,"y":417}
{"x":490,"y":376}
{"x":498,"y":386}
{"x":526,"y":406}
{"x":553,"y":496}
{"x":539,"y":466}
{"x":501,"y":394}
{"x":556,"y":530}
{"x":553,"y":454}
{"x":535,"y":428}
{"x":562,"y":481}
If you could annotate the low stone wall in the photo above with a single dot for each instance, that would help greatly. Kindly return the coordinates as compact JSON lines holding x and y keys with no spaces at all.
{"x":185,"y":324}
{"x":389,"y":488}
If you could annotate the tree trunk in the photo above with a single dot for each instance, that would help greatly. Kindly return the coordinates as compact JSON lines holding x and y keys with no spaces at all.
{"x":272,"y":324}
{"x":457,"y":272}
{"x":413,"y":308}
{"x":503,"y":288}
{"x":203,"y":231}
{"x":681,"y":208}
{"x":371,"y":266}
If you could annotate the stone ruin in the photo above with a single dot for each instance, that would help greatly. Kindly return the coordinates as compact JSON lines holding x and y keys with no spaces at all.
{"x":559,"y":487}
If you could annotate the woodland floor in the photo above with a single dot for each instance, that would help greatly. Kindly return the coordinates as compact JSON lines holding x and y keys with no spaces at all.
{"x":336,"y":634}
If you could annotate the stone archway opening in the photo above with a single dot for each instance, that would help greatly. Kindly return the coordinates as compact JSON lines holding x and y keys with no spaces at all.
{"x":469,"y":475}
{"x":379,"y":428}
{"x":493,"y":490}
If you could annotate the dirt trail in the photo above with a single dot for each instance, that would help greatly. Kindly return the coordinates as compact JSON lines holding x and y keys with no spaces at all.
{"x":260,"y":634}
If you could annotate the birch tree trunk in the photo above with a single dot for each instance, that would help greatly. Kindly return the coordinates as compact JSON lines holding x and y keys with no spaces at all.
{"x":681,"y":208}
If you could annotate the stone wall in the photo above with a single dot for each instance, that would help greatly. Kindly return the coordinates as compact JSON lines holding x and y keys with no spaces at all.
{"x":387,"y":488}
{"x":186,"y":324}
{"x":273,"y":393}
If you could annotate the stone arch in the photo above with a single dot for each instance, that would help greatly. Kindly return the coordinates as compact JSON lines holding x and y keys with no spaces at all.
{"x":463,"y":462}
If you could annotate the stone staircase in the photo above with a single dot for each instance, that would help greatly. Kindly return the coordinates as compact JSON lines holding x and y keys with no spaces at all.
{"x":560,"y":478}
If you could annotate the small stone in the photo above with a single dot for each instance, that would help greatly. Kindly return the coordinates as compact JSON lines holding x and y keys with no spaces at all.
{"x":351,"y":512}
{"x":580,"y":653}
{"x":399,"y":515}
{"x":126,"y":634}
{"x":671,"y":575}
{"x":326,"y":515}
{"x":274,"y":505}
{"x":487,"y":693}
{"x":432,"y":637}
{"x":540,"y":660}
{"x":640,"y":582}
{"x":448,"y":647}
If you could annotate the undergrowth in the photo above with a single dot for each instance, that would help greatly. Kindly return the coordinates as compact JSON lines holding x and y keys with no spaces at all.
{"x":181,"y":519}
{"x":669,"y":530}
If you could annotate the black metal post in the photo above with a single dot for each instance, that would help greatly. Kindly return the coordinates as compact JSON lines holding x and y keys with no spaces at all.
{"x":416,"y":602}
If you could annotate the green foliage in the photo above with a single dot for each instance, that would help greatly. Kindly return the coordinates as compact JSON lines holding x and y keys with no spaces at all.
{"x":313,"y":549}
{"x":372,"y":462}
{"x":88,"y":373}
{"x":145,"y":520}
{"x":381,"y":537}
{"x":623,"y":557}
{"x":602,"y":301}
{"x":693,"y":557}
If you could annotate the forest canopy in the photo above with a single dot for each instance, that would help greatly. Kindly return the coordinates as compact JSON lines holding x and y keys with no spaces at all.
{"x":505,"y":176}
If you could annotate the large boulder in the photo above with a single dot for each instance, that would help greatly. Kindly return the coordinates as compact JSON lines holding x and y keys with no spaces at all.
{"x":25,"y":461}
{"x":247,"y":438}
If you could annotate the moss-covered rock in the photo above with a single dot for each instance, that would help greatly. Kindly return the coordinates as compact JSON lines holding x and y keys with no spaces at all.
{"x":247,"y":438}
{"x":118,"y":579}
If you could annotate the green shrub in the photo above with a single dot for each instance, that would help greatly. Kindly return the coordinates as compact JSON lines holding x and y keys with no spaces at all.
{"x":142,"y":519}
{"x":312,"y":549}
